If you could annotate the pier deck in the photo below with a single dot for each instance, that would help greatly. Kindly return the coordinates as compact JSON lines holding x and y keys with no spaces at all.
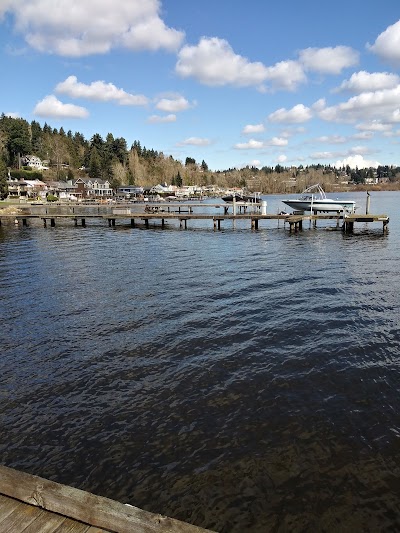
{"x":31,"y":504}
{"x":184,"y":213}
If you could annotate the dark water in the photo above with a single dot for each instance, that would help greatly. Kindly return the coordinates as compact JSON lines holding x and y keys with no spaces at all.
{"x":239,"y":380}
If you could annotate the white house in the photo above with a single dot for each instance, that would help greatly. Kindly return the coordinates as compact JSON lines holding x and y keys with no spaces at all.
{"x":33,"y":161}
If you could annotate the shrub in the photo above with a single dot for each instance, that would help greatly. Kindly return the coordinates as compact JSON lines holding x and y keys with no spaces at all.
{"x":51,"y":198}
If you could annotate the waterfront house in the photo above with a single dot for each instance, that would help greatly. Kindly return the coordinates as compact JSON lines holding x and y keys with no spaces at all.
{"x":93,"y":188}
{"x":27,"y":188}
{"x":129,"y":191}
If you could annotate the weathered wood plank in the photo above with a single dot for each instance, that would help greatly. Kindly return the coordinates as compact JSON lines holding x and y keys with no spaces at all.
{"x":72,"y":526}
{"x":21,"y":517}
{"x":7,"y":506}
{"x":85,"y":507}
{"x":45,"y":523}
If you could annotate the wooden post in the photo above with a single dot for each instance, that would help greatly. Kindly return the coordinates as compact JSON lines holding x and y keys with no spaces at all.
{"x":162,"y":222}
{"x":132,"y":222}
{"x":44,"y":222}
{"x":348,"y":226}
{"x":24,"y":222}
{"x":83,"y":223}
{"x":368,"y":203}
{"x":52,"y":222}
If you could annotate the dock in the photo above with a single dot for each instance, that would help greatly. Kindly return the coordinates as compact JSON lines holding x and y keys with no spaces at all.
{"x":183,"y":213}
{"x":31,"y":504}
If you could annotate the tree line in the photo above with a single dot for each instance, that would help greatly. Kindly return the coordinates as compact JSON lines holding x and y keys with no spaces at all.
{"x":70,"y":155}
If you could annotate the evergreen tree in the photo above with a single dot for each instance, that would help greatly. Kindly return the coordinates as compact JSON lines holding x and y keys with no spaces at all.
{"x":190,"y":161}
{"x":18,"y":136}
{"x":36,"y":138}
{"x":94,"y":164}
{"x":120,"y":150}
{"x":178,"y":180}
{"x":3,"y":179}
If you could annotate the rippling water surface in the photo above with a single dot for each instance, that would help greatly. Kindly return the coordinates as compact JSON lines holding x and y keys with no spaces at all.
{"x":239,"y":380}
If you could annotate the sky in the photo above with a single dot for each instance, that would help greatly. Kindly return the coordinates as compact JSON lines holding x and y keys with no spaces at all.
{"x":229,"y":82}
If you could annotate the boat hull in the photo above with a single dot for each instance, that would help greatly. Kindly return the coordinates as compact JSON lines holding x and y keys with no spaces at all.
{"x":325,"y":205}
{"x":248,"y":199}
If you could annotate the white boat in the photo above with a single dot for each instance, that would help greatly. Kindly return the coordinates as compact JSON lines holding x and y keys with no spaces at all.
{"x":242,"y":197}
{"x":314,"y":199}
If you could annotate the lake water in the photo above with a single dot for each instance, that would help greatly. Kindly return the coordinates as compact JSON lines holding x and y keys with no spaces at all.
{"x":242,"y":381}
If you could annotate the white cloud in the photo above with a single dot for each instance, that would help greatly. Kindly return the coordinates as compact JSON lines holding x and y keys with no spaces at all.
{"x":286,"y":75}
{"x":289,"y":132}
{"x":77,"y":28}
{"x":392,"y":133}
{"x":195,"y":141}
{"x":365,"y":81}
{"x":380,"y":105}
{"x":276,"y":141}
{"x":319,"y":105}
{"x":13,"y":115}
{"x":387,"y":44}
{"x":152,"y":34}
{"x":373,"y":125}
{"x":253,"y":128}
{"x":255,"y":163}
{"x":99,"y":91}
{"x":50,"y":106}
{"x":360,"y":150}
{"x":331,"y":139}
{"x":173,"y":105}
{"x":363,"y":136}
{"x":321,"y":155}
{"x":299,"y":113}
{"x":213,"y":62}
{"x":252,"y":144}
{"x":356,"y":161}
{"x":328,"y":60}
{"x":157,"y":119}
{"x":281,"y":158}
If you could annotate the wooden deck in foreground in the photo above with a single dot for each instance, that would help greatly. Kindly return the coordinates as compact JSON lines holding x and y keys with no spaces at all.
{"x":31,"y":504}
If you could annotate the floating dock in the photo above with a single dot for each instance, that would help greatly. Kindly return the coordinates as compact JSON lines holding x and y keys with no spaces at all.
{"x":31,"y":504}
{"x":183,"y":213}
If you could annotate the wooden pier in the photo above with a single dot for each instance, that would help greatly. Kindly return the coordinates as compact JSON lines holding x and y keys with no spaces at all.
{"x":31,"y":504}
{"x":184,"y":213}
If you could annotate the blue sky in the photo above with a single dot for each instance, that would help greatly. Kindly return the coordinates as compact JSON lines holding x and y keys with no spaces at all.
{"x":230,"y":82}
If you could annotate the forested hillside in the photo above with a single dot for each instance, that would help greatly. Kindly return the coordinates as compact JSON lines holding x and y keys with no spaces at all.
{"x":69,"y":155}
